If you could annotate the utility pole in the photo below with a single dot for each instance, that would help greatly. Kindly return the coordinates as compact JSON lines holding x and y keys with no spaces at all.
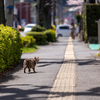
{"x":58,"y":6}
{"x":10,"y":12}
{"x":61,"y":11}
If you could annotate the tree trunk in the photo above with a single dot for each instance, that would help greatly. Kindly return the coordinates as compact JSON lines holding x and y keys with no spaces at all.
{"x":44,"y":13}
{"x":2,"y":13}
{"x":47,"y":14}
{"x":39,"y":16}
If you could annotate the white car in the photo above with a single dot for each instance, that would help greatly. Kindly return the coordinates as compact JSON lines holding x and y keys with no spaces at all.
{"x":63,"y":30}
{"x":28,"y":27}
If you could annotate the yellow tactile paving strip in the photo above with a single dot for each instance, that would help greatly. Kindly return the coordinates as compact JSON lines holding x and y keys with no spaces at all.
{"x":64,"y":84}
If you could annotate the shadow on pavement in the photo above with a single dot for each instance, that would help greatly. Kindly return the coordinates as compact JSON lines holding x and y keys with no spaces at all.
{"x":17,"y":93}
{"x":48,"y":61}
{"x":87,"y":62}
{"x":9,"y":75}
{"x":39,"y":92}
{"x":44,"y":62}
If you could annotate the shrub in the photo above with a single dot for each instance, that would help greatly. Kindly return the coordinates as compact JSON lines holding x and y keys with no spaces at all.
{"x":21,"y":29}
{"x":38,"y":28}
{"x":39,"y":36}
{"x":50,"y":35}
{"x":10,"y":47}
{"x":28,"y":41}
{"x":53,"y":27}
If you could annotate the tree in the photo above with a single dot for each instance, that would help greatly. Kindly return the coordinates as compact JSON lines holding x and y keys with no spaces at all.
{"x":2,"y":13}
{"x":78,"y":18}
{"x":44,"y":8}
{"x":47,"y":14}
{"x":44,"y":13}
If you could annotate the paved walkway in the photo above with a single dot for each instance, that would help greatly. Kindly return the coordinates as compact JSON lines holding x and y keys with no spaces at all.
{"x":77,"y":77}
{"x":65,"y":80}
{"x":17,"y":85}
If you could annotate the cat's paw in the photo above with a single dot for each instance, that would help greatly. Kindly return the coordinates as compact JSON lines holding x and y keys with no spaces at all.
{"x":24,"y":72}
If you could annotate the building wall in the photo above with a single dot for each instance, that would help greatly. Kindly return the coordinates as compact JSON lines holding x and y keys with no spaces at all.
{"x":24,"y":12}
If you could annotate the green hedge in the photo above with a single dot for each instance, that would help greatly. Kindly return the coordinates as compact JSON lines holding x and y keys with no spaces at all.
{"x":50,"y":35}
{"x":91,"y":14}
{"x":39,"y":36}
{"x":38,"y":28}
{"x":28,"y":41}
{"x":10,"y":47}
{"x":42,"y":35}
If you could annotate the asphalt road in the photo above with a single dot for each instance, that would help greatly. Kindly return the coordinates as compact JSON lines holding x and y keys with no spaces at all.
{"x":34,"y":86}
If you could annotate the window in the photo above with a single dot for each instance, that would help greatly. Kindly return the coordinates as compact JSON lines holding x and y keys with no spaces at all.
{"x":64,"y":27}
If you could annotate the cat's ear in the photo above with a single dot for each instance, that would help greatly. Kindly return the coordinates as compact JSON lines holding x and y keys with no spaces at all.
{"x":34,"y":57}
{"x":38,"y":57}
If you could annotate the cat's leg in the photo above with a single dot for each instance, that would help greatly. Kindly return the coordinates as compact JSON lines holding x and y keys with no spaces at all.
{"x":29,"y":69}
{"x":34,"y":69}
{"x":25,"y":69}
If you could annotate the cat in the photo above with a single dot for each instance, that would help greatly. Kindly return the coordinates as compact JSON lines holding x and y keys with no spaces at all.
{"x":30,"y":63}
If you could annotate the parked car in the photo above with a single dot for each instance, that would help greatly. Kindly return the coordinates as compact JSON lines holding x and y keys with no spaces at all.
{"x":28,"y":27}
{"x":63,"y":30}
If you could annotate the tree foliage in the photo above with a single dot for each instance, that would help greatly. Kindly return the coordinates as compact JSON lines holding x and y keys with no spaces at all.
{"x":78,"y":18}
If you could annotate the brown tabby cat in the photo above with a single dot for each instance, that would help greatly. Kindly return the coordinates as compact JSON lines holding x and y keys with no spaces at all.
{"x":30,"y":63}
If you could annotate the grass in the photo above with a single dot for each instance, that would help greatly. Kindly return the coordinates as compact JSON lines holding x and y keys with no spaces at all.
{"x":30,"y":49}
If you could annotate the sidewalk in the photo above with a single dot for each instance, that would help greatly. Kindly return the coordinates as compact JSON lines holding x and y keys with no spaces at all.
{"x":17,"y":85}
{"x":87,"y":72}
{"x":74,"y":78}
{"x":78,"y":77}
{"x":65,"y":80}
